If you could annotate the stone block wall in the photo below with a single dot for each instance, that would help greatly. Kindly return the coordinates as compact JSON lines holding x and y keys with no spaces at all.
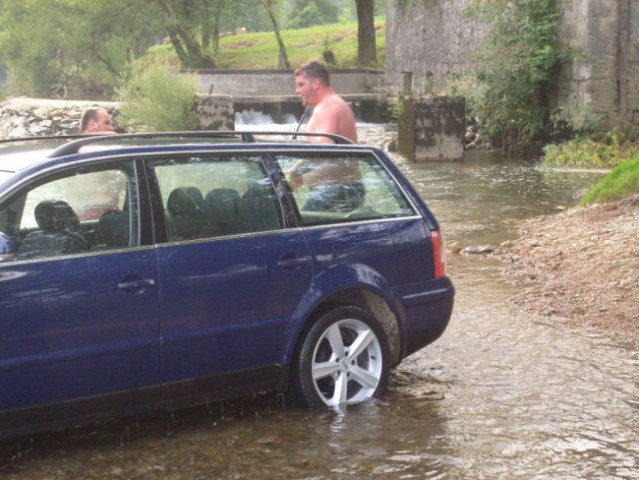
{"x":427,"y":40}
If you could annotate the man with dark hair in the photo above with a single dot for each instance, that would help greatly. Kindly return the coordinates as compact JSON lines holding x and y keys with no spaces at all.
{"x":96,"y":121}
{"x":331,"y":114}
{"x":327,"y":181}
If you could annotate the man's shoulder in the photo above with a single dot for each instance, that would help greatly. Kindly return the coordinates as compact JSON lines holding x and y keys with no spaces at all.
{"x":335,"y":102}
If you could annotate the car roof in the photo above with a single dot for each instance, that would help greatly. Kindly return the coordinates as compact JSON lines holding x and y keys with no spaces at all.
{"x":19,"y":153}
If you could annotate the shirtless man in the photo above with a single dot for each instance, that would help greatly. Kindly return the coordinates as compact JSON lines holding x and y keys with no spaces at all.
{"x":96,"y":121}
{"x":331,"y":114}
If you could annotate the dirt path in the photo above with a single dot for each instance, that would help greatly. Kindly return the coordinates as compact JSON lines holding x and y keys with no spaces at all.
{"x":581,"y":265}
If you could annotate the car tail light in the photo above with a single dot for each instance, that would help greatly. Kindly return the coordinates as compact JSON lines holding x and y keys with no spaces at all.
{"x":439,"y":253}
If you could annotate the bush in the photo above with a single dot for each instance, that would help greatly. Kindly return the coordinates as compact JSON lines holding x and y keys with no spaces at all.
{"x":156,"y":98}
{"x":623,"y":180}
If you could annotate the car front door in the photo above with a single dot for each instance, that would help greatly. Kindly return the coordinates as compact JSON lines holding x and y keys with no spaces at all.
{"x":79,"y":299}
{"x":232,"y":274}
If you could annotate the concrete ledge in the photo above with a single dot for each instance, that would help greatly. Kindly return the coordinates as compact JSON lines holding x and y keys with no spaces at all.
{"x":282,"y":82}
{"x":432,"y":128}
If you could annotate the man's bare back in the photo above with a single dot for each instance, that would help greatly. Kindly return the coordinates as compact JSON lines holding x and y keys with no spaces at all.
{"x":333,"y":115}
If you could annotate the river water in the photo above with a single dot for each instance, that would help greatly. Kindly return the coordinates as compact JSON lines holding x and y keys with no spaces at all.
{"x":500,"y":395}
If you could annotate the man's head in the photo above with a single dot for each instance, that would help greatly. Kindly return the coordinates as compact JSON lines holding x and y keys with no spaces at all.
{"x":309,"y":79}
{"x":95,"y":121}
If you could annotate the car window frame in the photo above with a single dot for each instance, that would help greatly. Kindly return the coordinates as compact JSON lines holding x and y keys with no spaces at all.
{"x":38,"y":176}
{"x":160,"y":226}
{"x":350,"y":152}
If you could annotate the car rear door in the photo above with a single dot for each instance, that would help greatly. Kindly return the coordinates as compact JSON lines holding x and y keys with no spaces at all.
{"x":79,"y":300}
{"x":232,"y":273}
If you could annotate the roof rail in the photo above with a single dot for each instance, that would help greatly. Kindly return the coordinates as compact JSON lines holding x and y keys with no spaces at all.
{"x":247,"y":137}
{"x":40,"y":138}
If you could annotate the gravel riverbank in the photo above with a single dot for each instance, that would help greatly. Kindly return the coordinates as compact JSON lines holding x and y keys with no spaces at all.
{"x":581,"y":266}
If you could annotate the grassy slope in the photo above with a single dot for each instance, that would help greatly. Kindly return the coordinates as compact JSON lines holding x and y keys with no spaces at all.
{"x":621,"y":181}
{"x":260,"y":50}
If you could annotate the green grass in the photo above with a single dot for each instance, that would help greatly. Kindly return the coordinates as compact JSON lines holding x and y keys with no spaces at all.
{"x":623,"y":180}
{"x":260,"y":50}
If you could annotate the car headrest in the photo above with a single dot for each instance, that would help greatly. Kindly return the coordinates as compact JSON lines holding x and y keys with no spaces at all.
{"x":180,"y":202}
{"x":56,"y":216}
{"x":114,"y":228}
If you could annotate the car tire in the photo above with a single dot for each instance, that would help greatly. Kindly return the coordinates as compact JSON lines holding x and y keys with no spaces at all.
{"x":343,"y":360}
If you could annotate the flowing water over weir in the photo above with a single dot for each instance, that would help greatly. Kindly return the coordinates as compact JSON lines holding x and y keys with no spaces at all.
{"x":499,"y":396}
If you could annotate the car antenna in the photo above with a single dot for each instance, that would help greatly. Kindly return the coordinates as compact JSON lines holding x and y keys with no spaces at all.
{"x":299,"y":124}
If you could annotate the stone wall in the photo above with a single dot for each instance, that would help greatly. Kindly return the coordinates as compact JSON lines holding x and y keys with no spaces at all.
{"x":29,"y":117}
{"x":427,"y":40}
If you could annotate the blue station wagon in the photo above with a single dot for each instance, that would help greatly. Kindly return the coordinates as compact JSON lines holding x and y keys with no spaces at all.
{"x":151,"y":271}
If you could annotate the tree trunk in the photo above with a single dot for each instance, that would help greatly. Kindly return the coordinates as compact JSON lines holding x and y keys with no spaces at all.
{"x":182,"y":39}
{"x":216,"y":29}
{"x":282,"y":62}
{"x":366,"y":47}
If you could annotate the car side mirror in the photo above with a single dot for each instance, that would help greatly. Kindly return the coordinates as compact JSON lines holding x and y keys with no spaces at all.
{"x":7,"y":248}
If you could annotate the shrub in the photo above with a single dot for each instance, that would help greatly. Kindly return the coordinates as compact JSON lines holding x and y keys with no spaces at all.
{"x":156,"y":98}
{"x":588,"y":151}
{"x":517,"y":69}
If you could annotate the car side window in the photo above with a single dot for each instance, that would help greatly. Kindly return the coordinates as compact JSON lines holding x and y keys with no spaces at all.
{"x":339,"y":188}
{"x":206,"y":197}
{"x":75,"y":211}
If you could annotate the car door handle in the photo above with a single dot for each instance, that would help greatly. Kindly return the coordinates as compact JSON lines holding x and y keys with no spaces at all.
{"x":292,"y":263}
{"x":136,"y":285}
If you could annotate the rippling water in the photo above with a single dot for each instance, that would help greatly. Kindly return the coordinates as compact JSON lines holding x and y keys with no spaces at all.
{"x":499,"y":396}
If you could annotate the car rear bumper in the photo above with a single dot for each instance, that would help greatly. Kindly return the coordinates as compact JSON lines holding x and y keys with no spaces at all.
{"x":428,"y":307}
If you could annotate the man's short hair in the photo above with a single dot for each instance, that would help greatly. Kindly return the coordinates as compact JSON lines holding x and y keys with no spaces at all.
{"x":88,"y":115}
{"x":315,"y":69}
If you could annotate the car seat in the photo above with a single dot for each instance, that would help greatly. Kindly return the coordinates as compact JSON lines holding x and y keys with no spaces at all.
{"x":58,"y":235}
{"x":184,"y":216}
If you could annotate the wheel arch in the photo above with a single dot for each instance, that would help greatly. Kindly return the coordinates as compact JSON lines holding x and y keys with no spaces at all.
{"x":364,"y":298}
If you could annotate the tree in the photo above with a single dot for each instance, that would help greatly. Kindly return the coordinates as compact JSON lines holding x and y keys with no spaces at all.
{"x":306,"y":13}
{"x":517,"y":71}
{"x":78,"y":49}
{"x":179,"y":16}
{"x":282,"y":62}
{"x":366,"y":46}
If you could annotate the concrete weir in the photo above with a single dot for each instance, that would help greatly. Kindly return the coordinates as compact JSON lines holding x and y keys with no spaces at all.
{"x":272,"y":92}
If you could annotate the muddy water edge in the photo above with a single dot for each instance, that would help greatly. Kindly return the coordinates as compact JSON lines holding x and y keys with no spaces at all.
{"x":499,"y":396}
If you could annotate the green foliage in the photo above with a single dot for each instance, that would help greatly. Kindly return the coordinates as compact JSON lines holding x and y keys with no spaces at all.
{"x":517,"y":70}
{"x":70,"y":48}
{"x":623,"y":180}
{"x":307,"y":13}
{"x":396,"y":111}
{"x":156,"y":98}
{"x":602,"y":151}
